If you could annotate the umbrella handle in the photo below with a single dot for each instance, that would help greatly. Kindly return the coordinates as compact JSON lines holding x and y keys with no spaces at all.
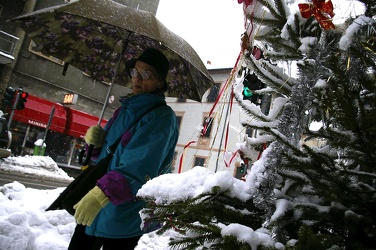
{"x":88,"y":156}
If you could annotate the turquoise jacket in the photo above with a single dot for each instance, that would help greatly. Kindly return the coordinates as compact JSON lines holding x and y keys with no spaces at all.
{"x":145,"y":151}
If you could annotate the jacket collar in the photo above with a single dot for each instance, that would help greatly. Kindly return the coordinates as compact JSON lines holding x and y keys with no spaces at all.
{"x":143,"y":101}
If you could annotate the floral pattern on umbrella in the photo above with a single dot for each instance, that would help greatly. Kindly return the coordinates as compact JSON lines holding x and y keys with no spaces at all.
{"x":95,"y":47}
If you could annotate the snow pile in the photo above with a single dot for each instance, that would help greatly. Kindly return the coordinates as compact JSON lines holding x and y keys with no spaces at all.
{"x":25,"y":225}
{"x":169,"y":188}
{"x":43,"y":166}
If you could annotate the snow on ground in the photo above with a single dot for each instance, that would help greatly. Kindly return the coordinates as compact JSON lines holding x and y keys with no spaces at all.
{"x":24,"y":223}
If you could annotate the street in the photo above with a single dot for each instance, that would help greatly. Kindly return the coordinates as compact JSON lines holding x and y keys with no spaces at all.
{"x":31,"y":181}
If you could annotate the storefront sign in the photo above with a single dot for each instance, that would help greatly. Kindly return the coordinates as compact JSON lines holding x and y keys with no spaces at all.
{"x":39,"y":124}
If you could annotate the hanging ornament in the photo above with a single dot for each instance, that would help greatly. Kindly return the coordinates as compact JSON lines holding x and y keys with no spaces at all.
{"x":321,"y":10}
{"x":257,"y":53}
{"x":250,"y":84}
{"x":247,"y":93}
{"x":245,"y":41}
{"x":246,"y":2}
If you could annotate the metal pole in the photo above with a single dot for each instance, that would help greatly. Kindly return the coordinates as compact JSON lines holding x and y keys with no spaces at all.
{"x":48,"y":125}
{"x":71,"y":152}
{"x":24,"y":141}
{"x":14,"y":108}
{"x":223,"y":132}
{"x":113,"y":79}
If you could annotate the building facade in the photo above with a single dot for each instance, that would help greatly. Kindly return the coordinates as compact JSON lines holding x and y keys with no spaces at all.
{"x":41,"y":76}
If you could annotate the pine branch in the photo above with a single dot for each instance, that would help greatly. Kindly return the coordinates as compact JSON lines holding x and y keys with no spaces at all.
{"x":305,"y":197}
{"x":279,"y":85}
{"x":199,"y":215}
{"x":276,"y":13}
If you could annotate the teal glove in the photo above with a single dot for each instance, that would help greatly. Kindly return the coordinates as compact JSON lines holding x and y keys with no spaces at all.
{"x":95,"y":136}
{"x":89,"y":206}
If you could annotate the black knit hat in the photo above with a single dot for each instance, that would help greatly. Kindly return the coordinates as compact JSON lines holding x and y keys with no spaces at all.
{"x":154,"y":58}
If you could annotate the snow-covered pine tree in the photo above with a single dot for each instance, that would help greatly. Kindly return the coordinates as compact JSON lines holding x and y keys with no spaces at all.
{"x":303,"y":197}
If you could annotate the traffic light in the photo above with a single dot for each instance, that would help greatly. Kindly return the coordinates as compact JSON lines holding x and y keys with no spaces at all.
{"x":22,"y":99}
{"x":252,"y":83}
{"x":9,"y":94}
{"x":242,"y":168}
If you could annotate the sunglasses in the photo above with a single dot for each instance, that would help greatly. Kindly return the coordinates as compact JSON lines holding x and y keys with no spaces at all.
{"x":145,"y":75}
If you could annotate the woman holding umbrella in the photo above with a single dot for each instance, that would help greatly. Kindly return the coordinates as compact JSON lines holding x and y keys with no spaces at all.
{"x":108,"y":215}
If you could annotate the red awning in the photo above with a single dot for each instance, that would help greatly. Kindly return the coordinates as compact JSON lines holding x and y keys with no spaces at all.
{"x":66,"y":120}
{"x":37,"y":112}
{"x":78,"y":122}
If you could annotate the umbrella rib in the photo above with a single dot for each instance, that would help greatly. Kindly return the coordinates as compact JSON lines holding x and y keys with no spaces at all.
{"x":125,"y":45}
{"x":190,"y":74}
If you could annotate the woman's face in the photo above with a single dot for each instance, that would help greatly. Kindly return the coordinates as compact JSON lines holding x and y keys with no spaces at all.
{"x":142,"y":85}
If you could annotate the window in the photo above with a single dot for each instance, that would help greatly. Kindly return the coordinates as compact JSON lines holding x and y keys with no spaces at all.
{"x":7,"y":42}
{"x":213,"y":94}
{"x":32,"y":46}
{"x":199,"y":161}
{"x":178,"y":118}
{"x":173,"y":161}
{"x":208,"y":122}
{"x":250,"y":132}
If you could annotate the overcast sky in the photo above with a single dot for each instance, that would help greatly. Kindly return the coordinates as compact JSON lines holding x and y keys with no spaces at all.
{"x":212,"y":27}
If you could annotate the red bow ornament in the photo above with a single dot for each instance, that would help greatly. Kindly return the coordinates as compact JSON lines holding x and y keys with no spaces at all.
{"x":246,"y":2}
{"x":322,"y":10}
